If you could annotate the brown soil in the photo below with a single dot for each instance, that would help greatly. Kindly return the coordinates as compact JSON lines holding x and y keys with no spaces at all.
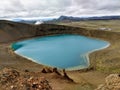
{"x":102,"y":62}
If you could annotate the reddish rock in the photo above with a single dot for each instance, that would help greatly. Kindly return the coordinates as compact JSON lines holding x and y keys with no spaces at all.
{"x":13,"y":80}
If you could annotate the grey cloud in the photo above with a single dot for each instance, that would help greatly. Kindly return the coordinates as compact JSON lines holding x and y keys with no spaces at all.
{"x":50,"y":8}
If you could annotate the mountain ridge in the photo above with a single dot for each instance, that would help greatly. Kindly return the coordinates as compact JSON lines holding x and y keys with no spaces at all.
{"x":72,"y":18}
{"x":64,"y":18}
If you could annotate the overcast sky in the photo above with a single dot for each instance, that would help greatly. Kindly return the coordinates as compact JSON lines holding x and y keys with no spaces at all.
{"x":55,"y":8}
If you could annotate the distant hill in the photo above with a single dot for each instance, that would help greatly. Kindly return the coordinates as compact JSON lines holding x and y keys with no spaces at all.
{"x":24,"y":21}
{"x":65,"y":19}
{"x":32,"y":21}
{"x":88,"y":18}
{"x":71,"y":18}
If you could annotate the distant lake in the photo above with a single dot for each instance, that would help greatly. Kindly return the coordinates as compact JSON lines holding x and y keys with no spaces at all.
{"x":61,"y":51}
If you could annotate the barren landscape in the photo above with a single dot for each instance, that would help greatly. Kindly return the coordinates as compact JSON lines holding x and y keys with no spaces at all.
{"x":102,"y":63}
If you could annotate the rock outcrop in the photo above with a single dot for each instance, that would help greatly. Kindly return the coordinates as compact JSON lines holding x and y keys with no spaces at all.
{"x":11,"y":79}
{"x":56,"y":71}
{"x":112,"y":82}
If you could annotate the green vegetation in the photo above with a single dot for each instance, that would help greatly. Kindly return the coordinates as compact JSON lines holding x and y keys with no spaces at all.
{"x":112,"y":25}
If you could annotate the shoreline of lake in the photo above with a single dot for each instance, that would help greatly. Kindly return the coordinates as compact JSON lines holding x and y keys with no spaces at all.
{"x":78,"y":67}
{"x":107,"y":60}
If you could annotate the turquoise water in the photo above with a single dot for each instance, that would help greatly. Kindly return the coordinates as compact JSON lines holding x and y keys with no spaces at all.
{"x":62,"y":51}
